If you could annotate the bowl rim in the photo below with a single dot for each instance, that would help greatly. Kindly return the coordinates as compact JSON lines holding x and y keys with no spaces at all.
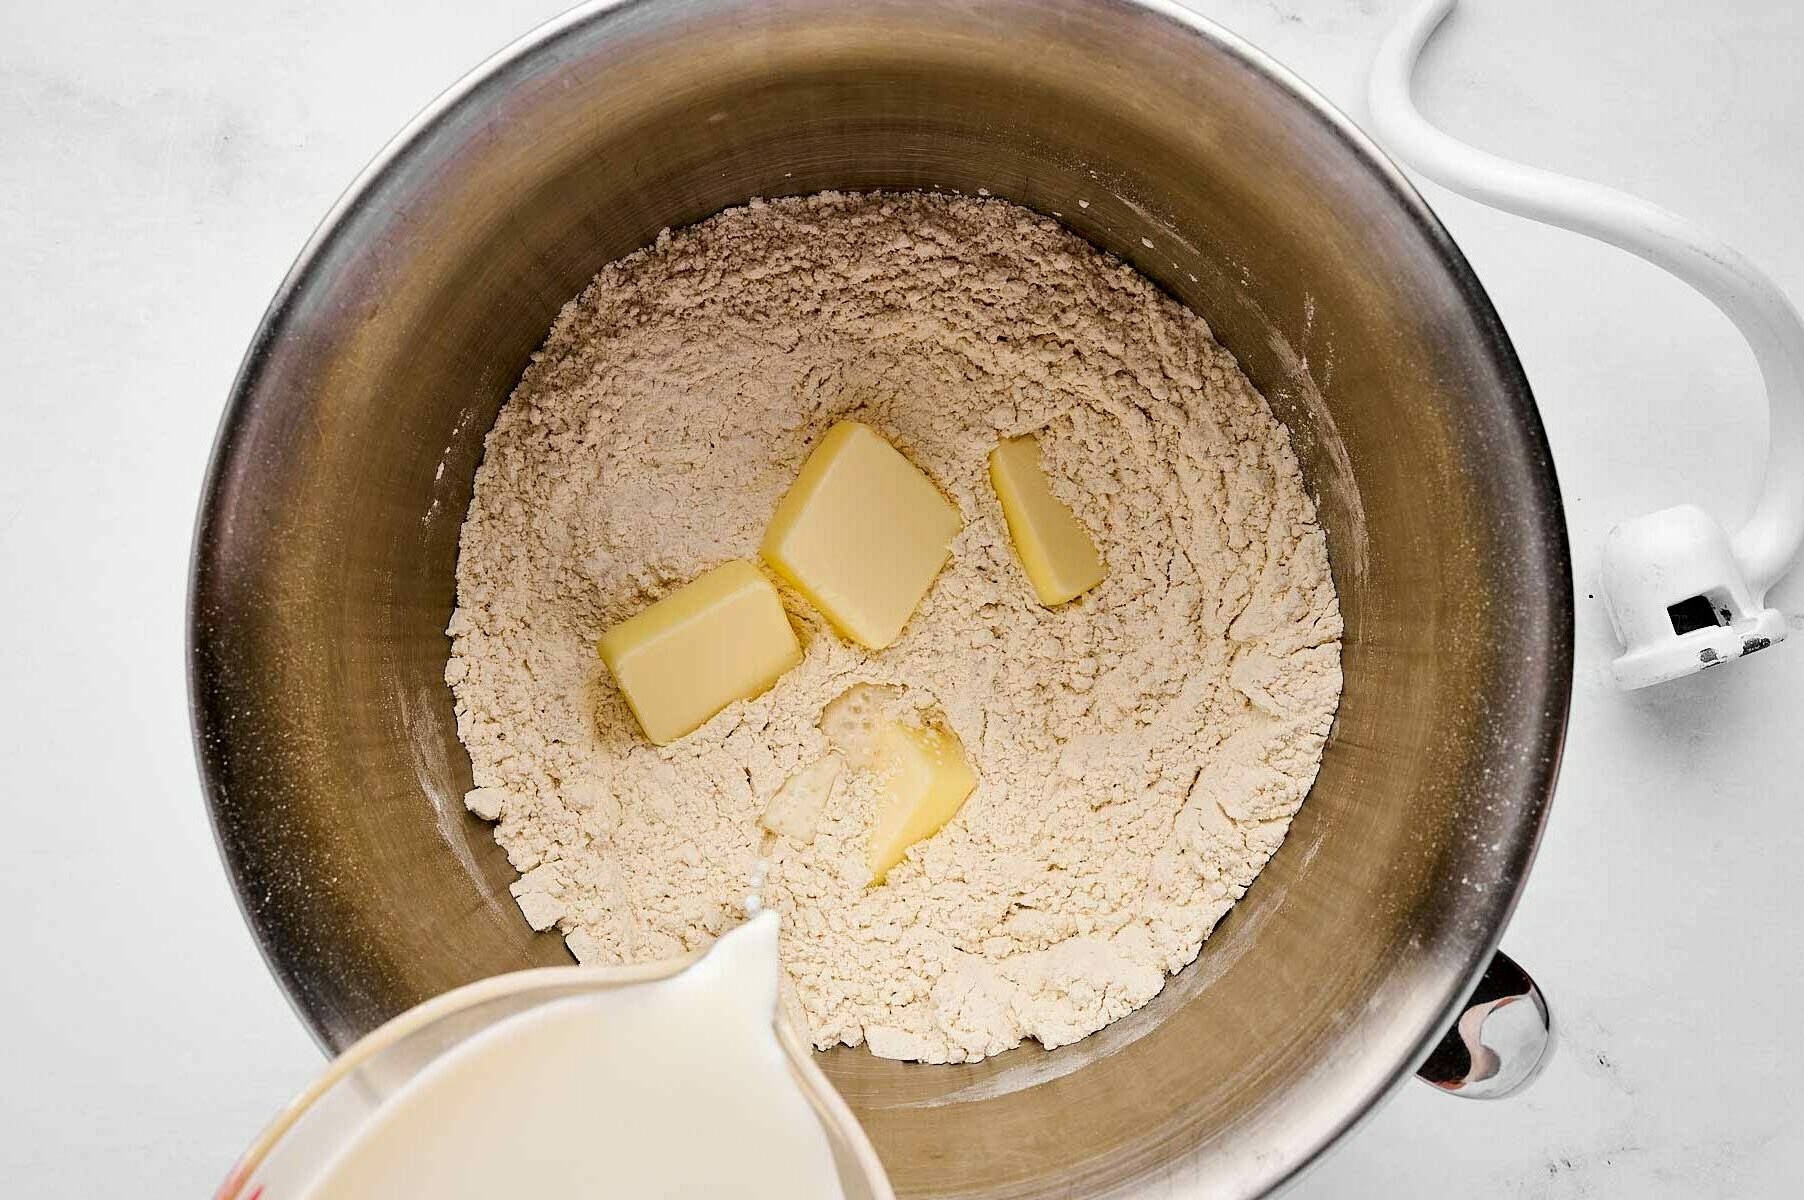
{"x":1548,"y":678}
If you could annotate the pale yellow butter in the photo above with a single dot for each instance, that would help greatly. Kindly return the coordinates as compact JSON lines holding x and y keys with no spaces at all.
{"x":1054,"y":546}
{"x":795,"y":811}
{"x":924,"y":781}
{"x":861,"y":534}
{"x":720,"y":638}
{"x":918,"y":765}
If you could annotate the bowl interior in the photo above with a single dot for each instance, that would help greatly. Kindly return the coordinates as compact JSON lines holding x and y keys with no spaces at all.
{"x":325,"y":554}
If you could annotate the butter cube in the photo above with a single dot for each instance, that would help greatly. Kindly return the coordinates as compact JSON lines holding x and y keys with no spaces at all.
{"x":720,"y":638}
{"x":923,"y":781}
{"x":918,"y":766}
{"x":795,"y":811}
{"x":861,"y":534}
{"x":1054,"y":546}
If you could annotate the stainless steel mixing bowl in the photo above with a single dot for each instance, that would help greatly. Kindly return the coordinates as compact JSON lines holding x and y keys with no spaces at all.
{"x":322,"y":577}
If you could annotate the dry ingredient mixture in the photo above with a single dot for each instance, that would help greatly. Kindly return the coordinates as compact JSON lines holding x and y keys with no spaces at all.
{"x":1140,"y":750}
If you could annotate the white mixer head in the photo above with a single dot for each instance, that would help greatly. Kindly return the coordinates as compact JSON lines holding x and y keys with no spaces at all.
{"x":1683,"y":593}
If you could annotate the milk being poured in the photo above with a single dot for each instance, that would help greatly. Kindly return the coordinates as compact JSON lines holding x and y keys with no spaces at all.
{"x":677,"y":1087}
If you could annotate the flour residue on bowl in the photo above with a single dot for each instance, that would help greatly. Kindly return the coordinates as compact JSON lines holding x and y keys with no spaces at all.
{"x":1140,"y":751}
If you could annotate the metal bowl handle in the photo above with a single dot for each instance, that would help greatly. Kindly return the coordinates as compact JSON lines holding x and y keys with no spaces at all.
{"x":1502,"y":1039}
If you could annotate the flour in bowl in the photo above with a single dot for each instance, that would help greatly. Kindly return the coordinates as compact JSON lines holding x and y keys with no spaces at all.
{"x":1140,"y":750}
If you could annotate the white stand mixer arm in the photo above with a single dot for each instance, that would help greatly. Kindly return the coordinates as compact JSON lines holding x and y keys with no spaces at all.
{"x":1683,"y":595}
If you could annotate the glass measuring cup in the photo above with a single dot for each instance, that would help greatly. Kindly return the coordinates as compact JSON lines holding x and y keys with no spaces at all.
{"x":292,"y":1151}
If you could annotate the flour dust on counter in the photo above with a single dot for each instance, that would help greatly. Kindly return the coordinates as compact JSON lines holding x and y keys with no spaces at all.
{"x":1138,"y":751}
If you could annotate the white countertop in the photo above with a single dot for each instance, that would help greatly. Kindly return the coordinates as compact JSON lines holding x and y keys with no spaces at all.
{"x":160,"y":164}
